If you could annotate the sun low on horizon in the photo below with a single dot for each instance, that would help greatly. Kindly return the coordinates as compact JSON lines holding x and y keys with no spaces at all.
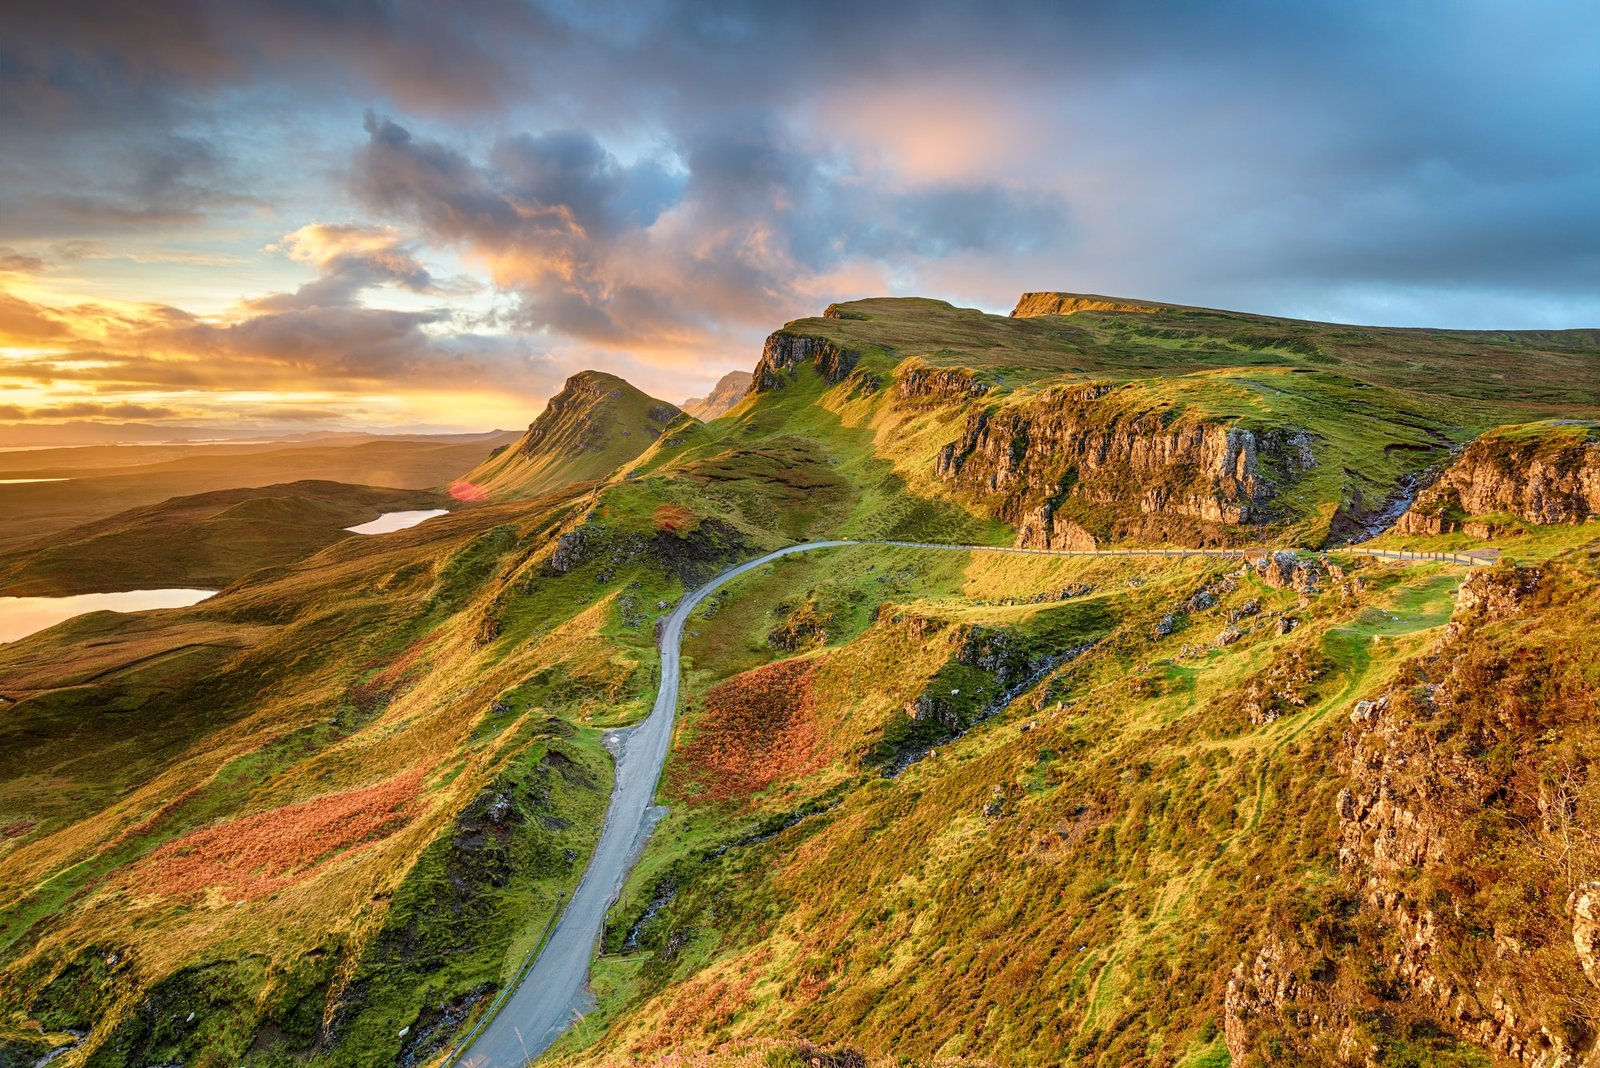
{"x":260,"y":217}
{"x":754,"y":534}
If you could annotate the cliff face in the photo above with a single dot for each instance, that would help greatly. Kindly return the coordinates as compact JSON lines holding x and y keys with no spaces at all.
{"x":918,"y":382}
{"x":783,"y":353}
{"x":1546,"y":476}
{"x":729,"y":390}
{"x":1030,"y":305}
{"x":1047,"y":462}
{"x":1469,"y":901}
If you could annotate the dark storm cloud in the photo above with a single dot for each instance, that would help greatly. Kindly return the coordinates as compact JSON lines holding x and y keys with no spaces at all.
{"x":424,"y":55}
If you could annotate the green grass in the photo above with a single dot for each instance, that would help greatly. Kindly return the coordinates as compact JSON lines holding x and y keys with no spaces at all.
{"x":594,"y":426}
{"x":1177,"y":820}
{"x":1070,"y":879}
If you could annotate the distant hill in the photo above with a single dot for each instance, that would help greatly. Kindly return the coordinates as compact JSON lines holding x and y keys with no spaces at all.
{"x":729,"y":390}
{"x":597,"y":423}
{"x":204,"y":540}
{"x":100,"y":481}
{"x":936,"y":806}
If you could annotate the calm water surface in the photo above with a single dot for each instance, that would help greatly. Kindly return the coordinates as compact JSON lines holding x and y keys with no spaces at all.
{"x":21,"y":616}
{"x":390,"y":521}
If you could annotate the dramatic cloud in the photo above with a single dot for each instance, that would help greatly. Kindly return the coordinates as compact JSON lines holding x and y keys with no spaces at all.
{"x":351,"y":259}
{"x":717,"y":233}
{"x":86,"y":410}
{"x":652,"y":185}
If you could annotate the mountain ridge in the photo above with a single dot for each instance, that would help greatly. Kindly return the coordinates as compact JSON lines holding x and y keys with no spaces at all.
{"x":729,"y":390}
{"x":594,"y":425}
{"x":969,"y":808}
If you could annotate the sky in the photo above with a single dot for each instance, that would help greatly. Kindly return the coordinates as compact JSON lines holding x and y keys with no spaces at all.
{"x":409,"y":214}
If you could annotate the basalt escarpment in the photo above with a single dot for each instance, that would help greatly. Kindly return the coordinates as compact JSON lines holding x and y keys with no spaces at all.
{"x":918,"y":383}
{"x":1032,"y":304}
{"x":784,"y":353}
{"x":1549,"y":475}
{"x":1465,"y":917}
{"x":1078,"y":464}
{"x":729,"y":391}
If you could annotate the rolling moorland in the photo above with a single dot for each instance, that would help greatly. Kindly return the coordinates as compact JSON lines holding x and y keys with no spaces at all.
{"x":97,"y":482}
{"x":922,"y":806}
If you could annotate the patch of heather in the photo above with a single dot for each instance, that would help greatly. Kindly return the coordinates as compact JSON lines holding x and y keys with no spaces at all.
{"x":257,"y":855}
{"x":756,"y":729}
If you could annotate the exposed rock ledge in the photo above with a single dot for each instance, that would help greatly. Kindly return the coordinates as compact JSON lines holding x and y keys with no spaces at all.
{"x":1543,"y":476}
{"x":1046,"y":461}
{"x":1031,"y":305}
{"x":783,"y":354}
{"x":1425,"y":801}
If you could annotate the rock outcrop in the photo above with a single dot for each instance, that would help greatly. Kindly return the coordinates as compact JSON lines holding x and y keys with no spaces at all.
{"x":1584,"y":905}
{"x":1464,"y":945}
{"x":729,"y":390}
{"x":1539,"y":475}
{"x":1030,"y":305}
{"x":1040,"y":529}
{"x":783,"y":354}
{"x":1043,"y":462}
{"x":1284,"y":570}
{"x":919,"y":382}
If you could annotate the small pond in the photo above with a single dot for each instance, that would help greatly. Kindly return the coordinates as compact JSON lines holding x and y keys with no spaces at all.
{"x":391,"y":521}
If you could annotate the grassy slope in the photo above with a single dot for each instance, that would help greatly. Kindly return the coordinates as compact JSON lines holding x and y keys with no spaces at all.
{"x":1382,"y":403}
{"x":594,"y":426}
{"x":1062,"y":883}
{"x":1485,"y":373}
{"x":441,"y":654}
{"x":370,"y":664}
{"x":205,"y":540}
{"x":97,"y":491}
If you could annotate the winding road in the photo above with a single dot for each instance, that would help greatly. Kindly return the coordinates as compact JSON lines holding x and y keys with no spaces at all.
{"x":552,"y":994}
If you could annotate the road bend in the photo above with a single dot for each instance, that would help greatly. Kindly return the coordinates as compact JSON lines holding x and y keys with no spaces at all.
{"x":554,"y":991}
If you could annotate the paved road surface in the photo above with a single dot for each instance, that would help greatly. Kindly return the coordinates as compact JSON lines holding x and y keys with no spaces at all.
{"x":554,"y":990}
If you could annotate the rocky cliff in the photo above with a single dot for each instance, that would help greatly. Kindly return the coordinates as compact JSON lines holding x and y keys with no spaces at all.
{"x":1079,"y":463}
{"x":917,"y":382}
{"x":1543,"y":473}
{"x":729,"y":390}
{"x":1467,"y":913}
{"x":784,"y":353}
{"x":1034,"y":304}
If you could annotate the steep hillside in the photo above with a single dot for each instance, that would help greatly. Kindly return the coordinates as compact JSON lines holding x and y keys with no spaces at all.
{"x":591,"y":428}
{"x":205,"y":540}
{"x":1540,"y":473}
{"x":328,"y":813}
{"x":1161,"y":426}
{"x":729,"y":390}
{"x":928,"y":805}
{"x":1076,"y":800}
